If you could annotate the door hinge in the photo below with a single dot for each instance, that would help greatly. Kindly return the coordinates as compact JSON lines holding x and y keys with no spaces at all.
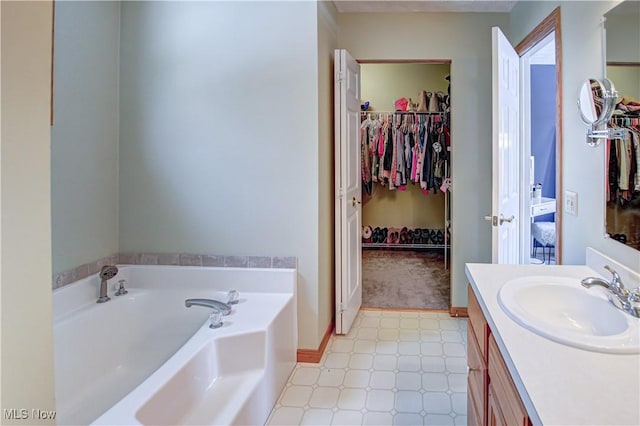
{"x":341,"y":308}
{"x":341,"y":193}
{"x":340,"y":76}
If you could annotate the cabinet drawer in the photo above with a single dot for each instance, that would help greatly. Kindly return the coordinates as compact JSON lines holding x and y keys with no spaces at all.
{"x":478,"y":323}
{"x":539,"y":209}
{"x":503,"y":388}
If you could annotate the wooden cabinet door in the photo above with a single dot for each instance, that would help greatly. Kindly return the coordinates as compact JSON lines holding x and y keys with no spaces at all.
{"x":504,"y":390}
{"x":477,"y":379}
{"x":494,"y":413}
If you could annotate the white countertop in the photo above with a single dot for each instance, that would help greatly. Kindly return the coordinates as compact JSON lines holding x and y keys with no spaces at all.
{"x":558,"y":384}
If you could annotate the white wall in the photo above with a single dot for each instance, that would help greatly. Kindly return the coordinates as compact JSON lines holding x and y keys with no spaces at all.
{"x":84,"y":138}
{"x":466,"y":40}
{"x":583,"y":167}
{"x":327,"y":43}
{"x":27,"y":335}
{"x":219,"y":147}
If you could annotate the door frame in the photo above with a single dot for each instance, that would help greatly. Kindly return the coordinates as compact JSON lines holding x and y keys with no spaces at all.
{"x":337,"y":242}
{"x":550,"y":24}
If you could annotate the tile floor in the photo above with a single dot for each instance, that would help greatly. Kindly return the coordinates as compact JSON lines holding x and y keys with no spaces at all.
{"x":393,"y":368}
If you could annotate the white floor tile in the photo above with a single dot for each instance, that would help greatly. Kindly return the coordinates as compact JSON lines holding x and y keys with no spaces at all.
{"x":368,"y":333}
{"x":380,"y":400}
{"x":408,"y":402}
{"x":364,"y":346}
{"x":305,"y":376}
{"x":315,"y":416}
{"x":296,"y":396}
{"x":433,"y":364}
{"x":406,"y":368}
{"x":324,"y":397}
{"x":436,"y":402}
{"x":388,"y":334}
{"x":408,"y":381}
{"x":460,"y":421}
{"x":377,"y":419}
{"x":393,"y":323}
{"x":409,"y":363}
{"x":357,"y":379}
{"x":407,"y":419}
{"x":286,"y":416}
{"x":384,"y":362}
{"x":386,"y":347}
{"x":451,"y":336}
{"x":337,"y":360}
{"x":347,"y":418}
{"x":361,"y":361}
{"x":456,"y":365}
{"x":412,"y":323}
{"x":352,"y":399}
{"x":409,"y":348}
{"x":434,"y":382}
{"x":382,"y":380}
{"x":438,"y":420}
{"x":342,"y":345}
{"x":459,"y":403}
{"x":431,"y":349}
{"x":429,"y":324}
{"x":454,"y":349}
{"x":331,"y":377}
{"x":457,"y":382}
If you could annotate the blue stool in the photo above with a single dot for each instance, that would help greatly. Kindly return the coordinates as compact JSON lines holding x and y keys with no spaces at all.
{"x":544,"y":234}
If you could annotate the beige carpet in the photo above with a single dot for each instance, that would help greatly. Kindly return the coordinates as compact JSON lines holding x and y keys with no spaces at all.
{"x":404,"y":279}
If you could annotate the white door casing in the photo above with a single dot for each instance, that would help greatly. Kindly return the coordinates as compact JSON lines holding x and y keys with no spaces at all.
{"x":506,"y":151}
{"x":348,"y":191}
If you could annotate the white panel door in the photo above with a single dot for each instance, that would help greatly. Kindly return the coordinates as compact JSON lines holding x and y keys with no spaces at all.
{"x":348,"y":191}
{"x":506,"y":151}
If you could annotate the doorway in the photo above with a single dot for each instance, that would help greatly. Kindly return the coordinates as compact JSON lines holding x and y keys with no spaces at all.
{"x":406,"y":215}
{"x":541,"y":178}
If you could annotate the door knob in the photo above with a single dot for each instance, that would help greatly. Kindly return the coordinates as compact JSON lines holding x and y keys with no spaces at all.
{"x":503,"y":220}
{"x":492,"y":219}
{"x":355,"y":202}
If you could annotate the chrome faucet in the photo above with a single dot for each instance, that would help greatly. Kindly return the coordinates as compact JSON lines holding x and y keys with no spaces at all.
{"x":621,"y":297}
{"x":224,"y":308}
{"x":106,"y":273}
{"x":219,"y":309}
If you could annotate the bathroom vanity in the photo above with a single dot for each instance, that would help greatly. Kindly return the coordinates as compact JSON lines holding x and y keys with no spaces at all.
{"x":518,"y":377}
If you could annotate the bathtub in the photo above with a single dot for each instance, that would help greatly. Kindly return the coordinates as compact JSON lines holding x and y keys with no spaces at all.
{"x":144,"y":358}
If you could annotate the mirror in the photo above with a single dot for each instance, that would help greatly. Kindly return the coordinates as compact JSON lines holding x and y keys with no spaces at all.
{"x":597,"y":102}
{"x":622,"y":188}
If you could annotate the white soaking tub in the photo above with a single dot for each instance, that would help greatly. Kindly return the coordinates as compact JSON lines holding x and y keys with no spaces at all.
{"x":144,"y":358}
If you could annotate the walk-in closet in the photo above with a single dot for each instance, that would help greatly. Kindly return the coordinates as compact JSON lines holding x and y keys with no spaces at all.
{"x":405,"y":143}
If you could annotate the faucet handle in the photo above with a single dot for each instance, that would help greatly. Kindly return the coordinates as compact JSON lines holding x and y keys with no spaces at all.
{"x":616,"y":281}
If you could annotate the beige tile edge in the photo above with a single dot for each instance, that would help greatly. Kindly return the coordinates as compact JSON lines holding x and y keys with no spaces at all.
{"x":69,"y":276}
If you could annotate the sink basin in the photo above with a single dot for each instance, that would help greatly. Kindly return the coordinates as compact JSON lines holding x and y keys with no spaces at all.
{"x":561,"y":310}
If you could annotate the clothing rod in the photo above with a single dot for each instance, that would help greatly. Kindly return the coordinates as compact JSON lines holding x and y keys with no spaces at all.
{"x":402,"y":112}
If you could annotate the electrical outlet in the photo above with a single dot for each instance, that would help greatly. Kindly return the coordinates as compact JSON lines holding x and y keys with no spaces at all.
{"x":571,"y":202}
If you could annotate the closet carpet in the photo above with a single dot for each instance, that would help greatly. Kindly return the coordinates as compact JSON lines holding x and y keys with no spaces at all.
{"x":404,"y":279}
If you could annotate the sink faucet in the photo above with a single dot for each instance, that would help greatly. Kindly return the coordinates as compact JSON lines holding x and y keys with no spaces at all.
{"x":219,"y":309}
{"x":621,"y":297}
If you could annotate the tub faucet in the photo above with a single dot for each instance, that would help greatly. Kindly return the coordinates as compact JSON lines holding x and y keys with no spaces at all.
{"x":219,"y":310}
{"x":106,"y":273}
{"x":224,"y":308}
{"x":621,"y":297}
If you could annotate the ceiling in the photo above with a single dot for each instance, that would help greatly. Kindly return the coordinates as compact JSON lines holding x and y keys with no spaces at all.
{"x":399,"y":6}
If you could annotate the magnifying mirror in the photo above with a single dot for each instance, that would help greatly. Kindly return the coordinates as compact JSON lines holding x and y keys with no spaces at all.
{"x":596,"y":103}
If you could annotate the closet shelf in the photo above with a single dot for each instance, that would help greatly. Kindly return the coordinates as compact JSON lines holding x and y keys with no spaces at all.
{"x":404,"y":112}
{"x":405,"y":246}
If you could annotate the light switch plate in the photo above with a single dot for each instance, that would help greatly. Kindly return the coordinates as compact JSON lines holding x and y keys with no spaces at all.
{"x":571,"y":202}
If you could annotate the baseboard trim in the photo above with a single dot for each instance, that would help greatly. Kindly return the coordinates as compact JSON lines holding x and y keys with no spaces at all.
{"x":312,"y":355}
{"x":457,"y":311}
